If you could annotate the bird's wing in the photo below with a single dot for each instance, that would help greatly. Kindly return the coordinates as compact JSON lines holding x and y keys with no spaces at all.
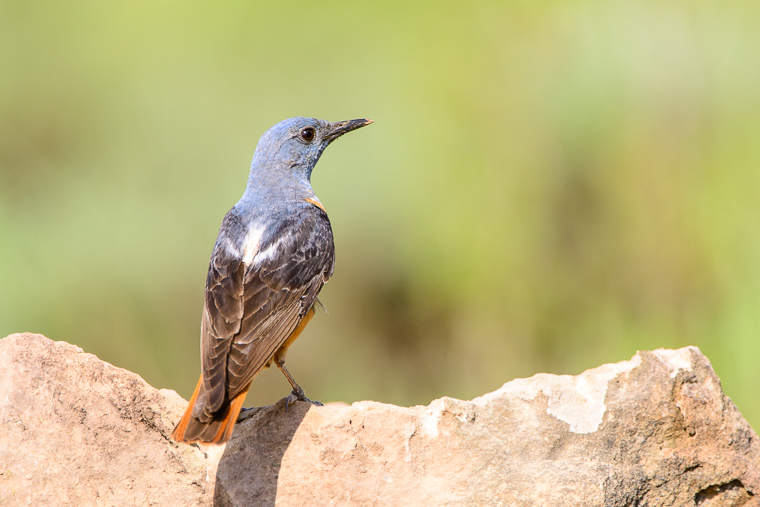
{"x":251,"y":308}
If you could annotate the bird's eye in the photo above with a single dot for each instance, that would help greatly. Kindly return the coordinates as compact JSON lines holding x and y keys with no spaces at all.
{"x":307,"y":134}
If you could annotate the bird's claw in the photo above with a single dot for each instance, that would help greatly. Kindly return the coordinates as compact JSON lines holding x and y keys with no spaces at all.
{"x":294,"y":396}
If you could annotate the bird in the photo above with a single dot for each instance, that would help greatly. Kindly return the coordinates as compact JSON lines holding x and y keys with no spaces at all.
{"x":273,"y":255}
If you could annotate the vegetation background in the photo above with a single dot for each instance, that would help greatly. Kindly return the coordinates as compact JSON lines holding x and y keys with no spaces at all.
{"x":549,"y":185}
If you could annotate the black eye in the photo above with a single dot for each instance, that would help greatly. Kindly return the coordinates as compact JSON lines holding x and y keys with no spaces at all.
{"x":307,"y":134}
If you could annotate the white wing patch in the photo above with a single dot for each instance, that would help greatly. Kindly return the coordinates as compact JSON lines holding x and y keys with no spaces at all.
{"x":268,"y":253}
{"x":251,"y":243}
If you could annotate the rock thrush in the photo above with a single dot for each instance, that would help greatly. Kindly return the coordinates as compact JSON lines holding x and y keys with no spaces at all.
{"x":273,"y":254}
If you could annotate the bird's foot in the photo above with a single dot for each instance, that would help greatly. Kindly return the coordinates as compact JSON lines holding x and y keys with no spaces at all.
{"x":300,"y":396}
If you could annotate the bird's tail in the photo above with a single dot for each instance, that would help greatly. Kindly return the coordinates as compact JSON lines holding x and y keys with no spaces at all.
{"x":217,"y":431}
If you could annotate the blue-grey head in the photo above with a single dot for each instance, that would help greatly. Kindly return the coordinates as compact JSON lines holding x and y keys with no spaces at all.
{"x":287,"y":152}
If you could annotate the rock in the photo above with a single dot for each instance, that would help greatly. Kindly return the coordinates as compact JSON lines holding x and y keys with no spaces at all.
{"x":79,"y":431}
{"x":653,"y":431}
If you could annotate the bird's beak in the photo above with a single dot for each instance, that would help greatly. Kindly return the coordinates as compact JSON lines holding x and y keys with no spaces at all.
{"x":343,"y":127}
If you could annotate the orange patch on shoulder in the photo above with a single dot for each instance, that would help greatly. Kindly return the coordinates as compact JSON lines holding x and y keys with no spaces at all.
{"x":316,"y":203}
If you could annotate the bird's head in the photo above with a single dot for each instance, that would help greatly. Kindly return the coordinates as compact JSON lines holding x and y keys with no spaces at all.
{"x":291,"y":148}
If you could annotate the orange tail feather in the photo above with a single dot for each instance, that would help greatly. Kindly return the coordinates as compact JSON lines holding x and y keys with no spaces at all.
{"x":178,"y":435}
{"x":217,"y":431}
{"x":228,"y":423}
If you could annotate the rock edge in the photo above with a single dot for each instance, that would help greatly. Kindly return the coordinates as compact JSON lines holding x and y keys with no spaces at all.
{"x":655,"y":430}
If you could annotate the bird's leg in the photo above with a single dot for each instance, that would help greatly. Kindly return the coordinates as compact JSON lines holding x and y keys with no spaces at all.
{"x":279,"y":359}
{"x":297,"y":393}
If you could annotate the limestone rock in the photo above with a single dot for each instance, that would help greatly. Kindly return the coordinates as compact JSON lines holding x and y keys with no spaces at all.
{"x":79,"y":431}
{"x":653,"y":431}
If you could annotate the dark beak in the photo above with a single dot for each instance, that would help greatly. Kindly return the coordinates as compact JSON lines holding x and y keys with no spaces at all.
{"x":343,"y":127}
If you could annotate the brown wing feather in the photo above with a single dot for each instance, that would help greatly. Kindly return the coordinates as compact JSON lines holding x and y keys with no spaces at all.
{"x":222,"y":315}
{"x":263,"y":334}
{"x":251,"y":309}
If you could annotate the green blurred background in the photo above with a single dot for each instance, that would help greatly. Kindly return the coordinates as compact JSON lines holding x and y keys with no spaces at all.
{"x":548,"y":186}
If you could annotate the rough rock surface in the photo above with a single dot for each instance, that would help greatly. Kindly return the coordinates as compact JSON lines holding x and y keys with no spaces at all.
{"x":653,"y":431}
{"x":79,"y":431}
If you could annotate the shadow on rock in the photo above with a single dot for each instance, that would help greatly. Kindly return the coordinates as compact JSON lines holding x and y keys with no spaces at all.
{"x":249,"y":469}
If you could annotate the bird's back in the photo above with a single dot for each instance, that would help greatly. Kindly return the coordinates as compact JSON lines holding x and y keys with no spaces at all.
{"x":264,"y":275}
